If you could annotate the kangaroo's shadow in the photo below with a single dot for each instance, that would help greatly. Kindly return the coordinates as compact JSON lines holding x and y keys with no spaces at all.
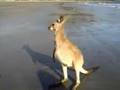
{"x":38,"y":57}
{"x":48,"y":66}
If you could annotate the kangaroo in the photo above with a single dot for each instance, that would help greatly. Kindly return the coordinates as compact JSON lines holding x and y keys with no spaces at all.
{"x":66,"y":52}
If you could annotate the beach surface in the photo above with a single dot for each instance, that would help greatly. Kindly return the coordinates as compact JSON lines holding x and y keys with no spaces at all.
{"x":26,"y":44}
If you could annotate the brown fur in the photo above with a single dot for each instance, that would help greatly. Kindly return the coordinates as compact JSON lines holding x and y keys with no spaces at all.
{"x":66,"y":52}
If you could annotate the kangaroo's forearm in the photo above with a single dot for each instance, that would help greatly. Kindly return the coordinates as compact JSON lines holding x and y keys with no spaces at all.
{"x":53,"y":55}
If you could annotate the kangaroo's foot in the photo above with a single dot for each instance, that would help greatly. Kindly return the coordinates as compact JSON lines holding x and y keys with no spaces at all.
{"x":64,"y":82}
{"x":76,"y":86}
{"x":61,"y":83}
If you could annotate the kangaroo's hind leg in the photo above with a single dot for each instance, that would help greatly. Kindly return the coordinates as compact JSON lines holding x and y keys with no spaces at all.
{"x":77,"y":66}
{"x":77,"y":73}
{"x":65,"y":75}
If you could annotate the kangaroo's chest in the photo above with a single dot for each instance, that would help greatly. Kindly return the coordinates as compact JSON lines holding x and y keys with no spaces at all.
{"x":64,"y":56}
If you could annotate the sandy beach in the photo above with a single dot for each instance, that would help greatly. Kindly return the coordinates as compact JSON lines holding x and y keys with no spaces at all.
{"x":26,"y":45}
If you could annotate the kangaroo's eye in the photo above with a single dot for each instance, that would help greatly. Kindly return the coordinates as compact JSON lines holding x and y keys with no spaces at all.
{"x":53,"y":24}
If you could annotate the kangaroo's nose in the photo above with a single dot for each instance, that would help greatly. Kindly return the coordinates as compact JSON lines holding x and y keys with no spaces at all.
{"x":49,"y":28}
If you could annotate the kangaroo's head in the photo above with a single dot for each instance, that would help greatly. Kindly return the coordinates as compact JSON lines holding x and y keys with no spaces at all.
{"x":58,"y":24}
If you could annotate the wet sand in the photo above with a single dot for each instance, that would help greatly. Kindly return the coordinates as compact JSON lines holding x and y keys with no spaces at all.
{"x":26,"y":45}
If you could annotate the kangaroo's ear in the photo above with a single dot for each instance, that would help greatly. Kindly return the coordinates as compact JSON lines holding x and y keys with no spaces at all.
{"x":60,"y":19}
{"x":64,"y":18}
